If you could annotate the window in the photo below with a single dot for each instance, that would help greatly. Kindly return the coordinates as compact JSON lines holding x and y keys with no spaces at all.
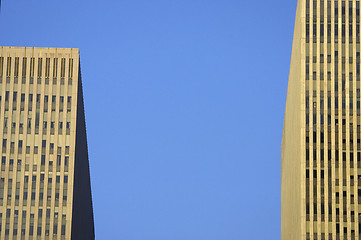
{"x":12,"y":147}
{"x":67,"y":128}
{"x":40,"y":67}
{"x":32,"y":63}
{"x":3,"y":162}
{"x":33,"y":196}
{"x":22,"y":102}
{"x":15,"y":96}
{"x":53,"y":103}
{"x":55,"y":70}
{"x":69,"y":104}
{"x":58,"y":160}
{"x":24,"y":70}
{"x":4,"y":145}
{"x":13,"y":127}
{"x":66,"y":163}
{"x":5,"y":122}
{"x":20,"y":146}
{"x":45,"y":125}
{"x":46,"y":100}
{"x":30,"y":102}
{"x":19,"y":165}
{"x":52,"y":128}
{"x":51,"y":149}
{"x":1,"y":66}
{"x":62,"y":74}
{"x":70,"y":68}
{"x":11,"y":164}
{"x":42,"y":159}
{"x":8,"y":67}
{"x":337,"y":198}
{"x":43,"y":146}
{"x":47,"y":67}
{"x":63,"y":228}
{"x":61,"y":104}
{"x":16,"y":67}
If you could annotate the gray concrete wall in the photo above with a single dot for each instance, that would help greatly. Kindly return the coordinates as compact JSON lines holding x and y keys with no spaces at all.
{"x":82,"y":220}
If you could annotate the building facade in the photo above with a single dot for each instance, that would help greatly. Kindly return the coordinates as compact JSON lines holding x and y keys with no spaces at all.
{"x":45,"y":188}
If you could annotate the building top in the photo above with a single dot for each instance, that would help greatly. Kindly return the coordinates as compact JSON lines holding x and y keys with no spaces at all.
{"x":39,"y":51}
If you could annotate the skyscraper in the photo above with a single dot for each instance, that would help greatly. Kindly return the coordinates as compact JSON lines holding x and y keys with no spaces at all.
{"x":45,"y":188}
{"x":321,"y":150}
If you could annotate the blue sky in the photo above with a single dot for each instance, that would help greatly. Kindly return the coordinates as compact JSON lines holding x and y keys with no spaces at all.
{"x":184,"y":103}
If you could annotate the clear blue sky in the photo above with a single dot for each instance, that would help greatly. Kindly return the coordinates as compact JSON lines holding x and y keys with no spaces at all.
{"x":184,"y":103}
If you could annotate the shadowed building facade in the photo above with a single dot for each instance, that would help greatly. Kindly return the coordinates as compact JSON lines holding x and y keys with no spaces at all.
{"x":45,"y":190}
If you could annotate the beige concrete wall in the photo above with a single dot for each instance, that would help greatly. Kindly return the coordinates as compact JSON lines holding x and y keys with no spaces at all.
{"x":292,"y":217}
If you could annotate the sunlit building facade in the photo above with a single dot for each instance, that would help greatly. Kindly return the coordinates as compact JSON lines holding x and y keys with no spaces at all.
{"x":45,"y":188}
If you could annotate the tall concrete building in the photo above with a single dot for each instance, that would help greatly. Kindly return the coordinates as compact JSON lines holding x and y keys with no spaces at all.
{"x":321,"y":150}
{"x":45,"y":188}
